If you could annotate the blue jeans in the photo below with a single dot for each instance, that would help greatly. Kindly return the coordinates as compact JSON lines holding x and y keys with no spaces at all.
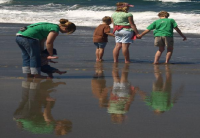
{"x":30,"y":54}
{"x":100,"y":44}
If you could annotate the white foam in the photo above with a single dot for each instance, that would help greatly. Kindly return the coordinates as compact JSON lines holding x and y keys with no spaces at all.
{"x":188,"y":23}
{"x":5,"y":1}
{"x":175,"y":1}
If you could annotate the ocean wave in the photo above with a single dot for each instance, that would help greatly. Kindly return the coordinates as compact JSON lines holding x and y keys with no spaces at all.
{"x":5,"y":1}
{"x":188,"y":22}
{"x":175,"y":1}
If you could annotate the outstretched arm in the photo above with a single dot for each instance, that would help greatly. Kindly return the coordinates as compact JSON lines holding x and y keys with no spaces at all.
{"x":180,"y":33}
{"x":111,"y":34}
{"x":143,"y":33}
{"x":49,"y":44}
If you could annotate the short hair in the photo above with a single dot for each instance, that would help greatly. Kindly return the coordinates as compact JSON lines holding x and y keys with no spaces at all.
{"x":121,"y":7}
{"x":106,"y":19}
{"x":163,"y":14}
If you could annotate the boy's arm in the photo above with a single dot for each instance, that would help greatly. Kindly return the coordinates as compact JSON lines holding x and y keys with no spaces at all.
{"x":180,"y":33}
{"x":111,"y":34}
{"x":144,"y":32}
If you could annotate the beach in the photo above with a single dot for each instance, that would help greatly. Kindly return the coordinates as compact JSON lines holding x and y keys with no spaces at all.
{"x":80,"y":103}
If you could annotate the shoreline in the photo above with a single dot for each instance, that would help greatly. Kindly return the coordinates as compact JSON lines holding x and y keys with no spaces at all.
{"x":93,"y":27}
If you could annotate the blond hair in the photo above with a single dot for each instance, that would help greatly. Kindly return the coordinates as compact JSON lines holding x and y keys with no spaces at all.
{"x":121,"y":7}
{"x":71,"y":27}
{"x":107,"y":19}
{"x":163,"y":14}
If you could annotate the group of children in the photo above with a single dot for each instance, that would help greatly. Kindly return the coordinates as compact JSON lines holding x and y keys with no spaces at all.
{"x":163,"y":33}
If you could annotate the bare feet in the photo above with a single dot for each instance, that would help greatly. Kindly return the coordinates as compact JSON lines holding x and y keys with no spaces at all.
{"x":100,"y":60}
{"x":61,"y":72}
{"x":127,"y":62}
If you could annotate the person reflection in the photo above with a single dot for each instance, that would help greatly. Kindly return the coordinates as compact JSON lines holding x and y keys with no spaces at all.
{"x":122,"y":94}
{"x":160,"y":99}
{"x":34,"y":111}
{"x":98,"y":85}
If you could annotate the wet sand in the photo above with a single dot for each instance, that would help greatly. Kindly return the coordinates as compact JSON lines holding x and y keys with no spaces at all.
{"x":101,"y":99}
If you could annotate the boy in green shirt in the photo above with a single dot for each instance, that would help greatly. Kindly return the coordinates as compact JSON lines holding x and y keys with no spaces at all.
{"x":163,"y":34}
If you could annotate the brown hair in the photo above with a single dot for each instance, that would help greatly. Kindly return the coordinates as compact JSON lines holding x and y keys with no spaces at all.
{"x":107,"y":19}
{"x":71,"y":27}
{"x":163,"y":14}
{"x":121,"y":7}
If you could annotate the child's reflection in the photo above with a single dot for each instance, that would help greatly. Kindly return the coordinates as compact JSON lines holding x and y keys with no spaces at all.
{"x":160,"y":98}
{"x":98,"y":85}
{"x":30,"y":115}
{"x":122,"y":94}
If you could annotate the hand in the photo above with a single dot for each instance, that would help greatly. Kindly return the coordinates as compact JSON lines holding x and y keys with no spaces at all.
{"x":138,"y":36}
{"x":184,"y":38}
{"x":52,"y":57}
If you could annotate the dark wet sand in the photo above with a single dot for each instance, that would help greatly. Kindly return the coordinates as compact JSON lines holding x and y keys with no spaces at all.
{"x":84,"y":94}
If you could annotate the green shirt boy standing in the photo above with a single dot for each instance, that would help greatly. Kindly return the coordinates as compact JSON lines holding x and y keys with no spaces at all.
{"x":163,"y":33}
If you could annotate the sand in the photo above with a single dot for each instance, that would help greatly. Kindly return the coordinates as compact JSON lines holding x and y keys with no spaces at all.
{"x":84,"y":96}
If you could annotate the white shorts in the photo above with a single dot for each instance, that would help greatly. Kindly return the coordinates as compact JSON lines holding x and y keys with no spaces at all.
{"x":123,"y":36}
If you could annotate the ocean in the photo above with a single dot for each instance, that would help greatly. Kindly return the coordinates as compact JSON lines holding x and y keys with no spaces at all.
{"x":90,"y":12}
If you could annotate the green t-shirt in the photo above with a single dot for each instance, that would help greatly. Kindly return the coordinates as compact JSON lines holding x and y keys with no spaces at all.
{"x":39,"y":30}
{"x":159,"y":101}
{"x":121,"y":18}
{"x":163,"y":27}
{"x":117,"y":107}
{"x":37,"y":126}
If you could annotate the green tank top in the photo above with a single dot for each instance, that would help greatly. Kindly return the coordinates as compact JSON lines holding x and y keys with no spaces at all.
{"x":39,"y":30}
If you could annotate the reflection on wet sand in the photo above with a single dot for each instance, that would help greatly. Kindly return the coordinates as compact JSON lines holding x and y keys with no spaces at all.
{"x":98,"y":85}
{"x":34,"y":111}
{"x":121,"y":94}
{"x":160,"y":99}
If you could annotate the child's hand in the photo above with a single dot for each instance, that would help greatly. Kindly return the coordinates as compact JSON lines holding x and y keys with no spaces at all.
{"x":184,"y":38}
{"x":138,"y":36}
{"x":52,"y":57}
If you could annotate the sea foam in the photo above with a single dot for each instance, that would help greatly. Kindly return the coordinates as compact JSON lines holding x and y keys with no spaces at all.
{"x":187,"y":22}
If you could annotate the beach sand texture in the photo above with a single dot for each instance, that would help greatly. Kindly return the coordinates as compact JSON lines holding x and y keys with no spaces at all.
{"x":158,"y":100}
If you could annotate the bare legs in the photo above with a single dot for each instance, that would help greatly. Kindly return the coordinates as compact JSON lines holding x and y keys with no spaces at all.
{"x":169,"y":54}
{"x":125,"y":51}
{"x":99,"y":54}
{"x":116,"y":50}
{"x":159,"y":53}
